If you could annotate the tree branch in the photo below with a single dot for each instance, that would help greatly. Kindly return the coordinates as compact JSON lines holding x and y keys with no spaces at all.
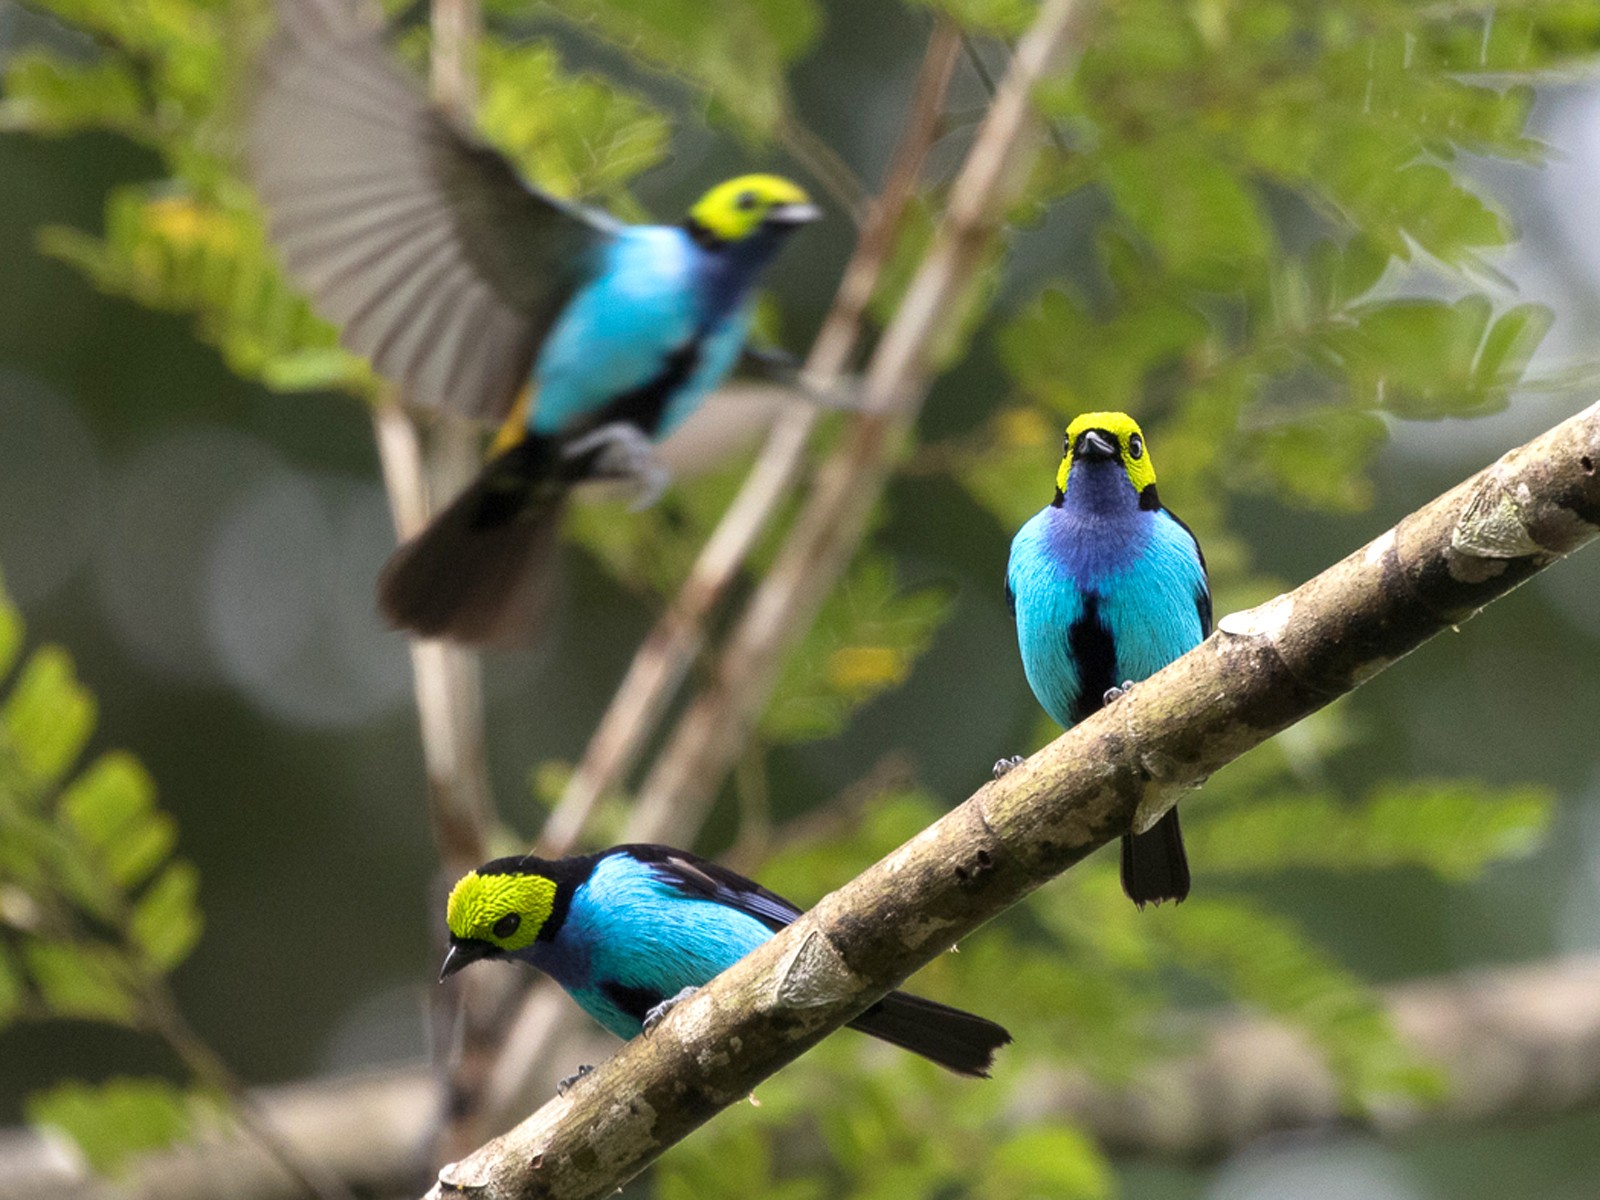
{"x":1512,"y":1041}
{"x":708,"y":738}
{"x":1509,"y":1041}
{"x":1261,"y":671}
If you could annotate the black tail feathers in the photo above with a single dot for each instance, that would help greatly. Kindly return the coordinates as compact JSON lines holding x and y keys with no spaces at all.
{"x":1154,"y":865}
{"x":958,"y":1041}
{"x":481,"y":571}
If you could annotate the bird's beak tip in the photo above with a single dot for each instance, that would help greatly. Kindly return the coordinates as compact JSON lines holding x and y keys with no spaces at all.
{"x":455,"y":958}
{"x":799,"y":213}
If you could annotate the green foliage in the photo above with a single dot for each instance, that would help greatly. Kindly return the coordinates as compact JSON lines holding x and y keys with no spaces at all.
{"x":1270,"y":179}
{"x":194,"y":242}
{"x":1454,"y":829}
{"x":112,"y":1121}
{"x":1047,"y":1164}
{"x":865,"y":642}
{"x":577,"y":135}
{"x":735,"y":50}
{"x":94,"y":908}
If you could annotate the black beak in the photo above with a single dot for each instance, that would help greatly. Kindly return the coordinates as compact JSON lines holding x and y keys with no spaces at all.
{"x":799,"y":213}
{"x":463,"y":952}
{"x":1093,"y":444}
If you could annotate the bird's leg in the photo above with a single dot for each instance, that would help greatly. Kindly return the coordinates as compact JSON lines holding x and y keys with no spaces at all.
{"x":1117,"y":693}
{"x":1004,"y":765}
{"x":565,"y":1085}
{"x":624,"y":451}
{"x":657,"y":1014}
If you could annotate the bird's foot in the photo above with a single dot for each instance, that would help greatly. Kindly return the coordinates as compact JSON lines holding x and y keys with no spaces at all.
{"x":624,"y":451}
{"x":1117,"y":693}
{"x":1003,"y":766}
{"x":565,"y":1085}
{"x":657,"y":1014}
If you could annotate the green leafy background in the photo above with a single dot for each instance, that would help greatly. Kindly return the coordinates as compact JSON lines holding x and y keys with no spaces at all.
{"x":1289,"y":237}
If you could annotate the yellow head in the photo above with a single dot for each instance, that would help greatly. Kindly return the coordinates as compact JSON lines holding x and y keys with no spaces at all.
{"x":1100,"y":435}
{"x":497,"y":909}
{"x":732,"y":211}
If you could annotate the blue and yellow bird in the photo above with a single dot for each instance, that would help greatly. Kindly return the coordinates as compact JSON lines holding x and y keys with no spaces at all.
{"x":629,"y":930}
{"x":1108,"y":587}
{"x":475,"y":292}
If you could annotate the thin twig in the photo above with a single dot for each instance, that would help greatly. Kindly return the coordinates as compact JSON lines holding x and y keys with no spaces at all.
{"x":447,"y":679}
{"x":211,"y":1072}
{"x":665,"y":655}
{"x":700,"y":751}
{"x":823,"y":163}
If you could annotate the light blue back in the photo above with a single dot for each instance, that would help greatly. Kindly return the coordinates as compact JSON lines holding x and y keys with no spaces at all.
{"x":628,"y":926}
{"x":1147,"y":573}
{"x":617,"y":331}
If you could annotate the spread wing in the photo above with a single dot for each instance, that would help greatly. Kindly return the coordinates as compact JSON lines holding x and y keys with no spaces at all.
{"x":700,"y":879}
{"x":437,"y":262}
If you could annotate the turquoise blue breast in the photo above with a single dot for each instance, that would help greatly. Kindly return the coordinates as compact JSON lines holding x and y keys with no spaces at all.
{"x":1136,"y":576}
{"x":618,"y":332}
{"x":629,"y":934}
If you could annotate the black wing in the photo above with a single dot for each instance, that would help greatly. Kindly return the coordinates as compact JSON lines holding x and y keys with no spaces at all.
{"x":437,"y":262}
{"x":701,"y":879}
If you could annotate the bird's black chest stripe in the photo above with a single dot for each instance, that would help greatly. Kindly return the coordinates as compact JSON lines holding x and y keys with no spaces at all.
{"x":645,"y":405}
{"x":1094,"y":651}
{"x":634,"y":1001}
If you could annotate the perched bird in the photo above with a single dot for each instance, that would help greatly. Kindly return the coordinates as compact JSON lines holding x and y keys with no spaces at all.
{"x":588,"y":338}
{"x":629,"y":930}
{"x":1108,"y":587}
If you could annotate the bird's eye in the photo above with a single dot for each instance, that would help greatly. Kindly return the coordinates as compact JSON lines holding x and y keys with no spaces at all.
{"x":1135,"y":446}
{"x":746,"y":201}
{"x":506,"y":925}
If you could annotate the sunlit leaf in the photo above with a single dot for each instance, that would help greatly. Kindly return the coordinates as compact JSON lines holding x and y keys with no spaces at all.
{"x":48,"y":716}
{"x":113,"y":1121}
{"x":81,"y":979}
{"x":166,"y":920}
{"x":1048,"y":1164}
{"x":112,"y":808}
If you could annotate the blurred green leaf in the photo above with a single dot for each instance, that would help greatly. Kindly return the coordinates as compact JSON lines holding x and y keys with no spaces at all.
{"x":112,"y":808}
{"x":577,"y":136}
{"x":1262,"y":959}
{"x":82,"y":980}
{"x":865,"y":641}
{"x":735,"y":49}
{"x":1320,"y":458}
{"x":113,"y":1121}
{"x":1200,"y":217}
{"x":1452,"y":828}
{"x":11,"y":630}
{"x":46,"y":95}
{"x":166,"y":920}
{"x":13,"y":996}
{"x":48,"y":716}
{"x":1048,"y":1164}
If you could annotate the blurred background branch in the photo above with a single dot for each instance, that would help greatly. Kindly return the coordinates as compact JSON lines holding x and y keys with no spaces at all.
{"x":1512,"y":1042}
